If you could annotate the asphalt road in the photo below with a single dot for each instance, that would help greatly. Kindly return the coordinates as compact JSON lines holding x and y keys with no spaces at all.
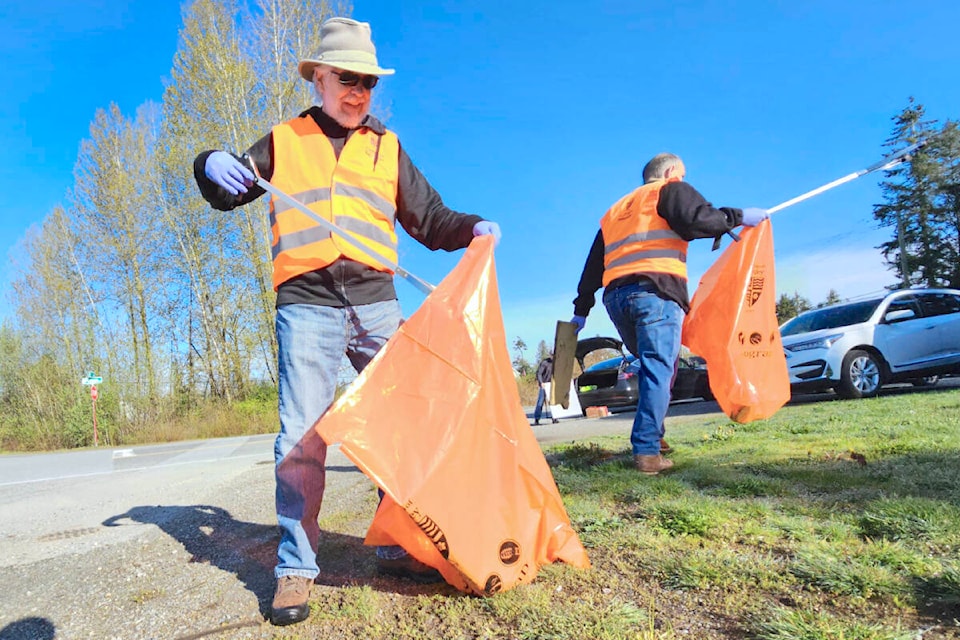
{"x":51,"y":503}
{"x":57,"y":503}
{"x":162,"y":541}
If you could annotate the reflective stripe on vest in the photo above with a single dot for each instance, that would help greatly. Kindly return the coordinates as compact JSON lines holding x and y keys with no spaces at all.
{"x":637,"y":240}
{"x":356,"y":192}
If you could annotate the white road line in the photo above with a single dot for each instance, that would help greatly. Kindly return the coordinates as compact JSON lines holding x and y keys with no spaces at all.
{"x":144,"y":468}
{"x":265,"y":455}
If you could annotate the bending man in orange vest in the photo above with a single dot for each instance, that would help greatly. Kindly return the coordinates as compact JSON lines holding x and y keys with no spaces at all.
{"x":332,"y":298}
{"x":640,"y":257}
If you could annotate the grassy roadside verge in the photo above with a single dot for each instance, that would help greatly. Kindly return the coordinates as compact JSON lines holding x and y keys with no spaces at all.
{"x":831,"y":520}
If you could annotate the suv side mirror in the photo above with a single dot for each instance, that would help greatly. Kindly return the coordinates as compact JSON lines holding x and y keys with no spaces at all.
{"x":898,"y":315}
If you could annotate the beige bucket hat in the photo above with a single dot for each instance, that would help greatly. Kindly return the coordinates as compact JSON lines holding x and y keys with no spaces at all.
{"x":345,"y":44}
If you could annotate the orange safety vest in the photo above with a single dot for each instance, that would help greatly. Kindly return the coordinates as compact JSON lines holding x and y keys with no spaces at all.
{"x":637,"y":240}
{"x":357,"y":192}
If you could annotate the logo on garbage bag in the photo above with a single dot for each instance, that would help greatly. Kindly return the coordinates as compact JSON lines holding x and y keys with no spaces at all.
{"x":755,"y":287}
{"x":493,"y":585}
{"x":754,"y":338}
{"x":430,"y":529}
{"x":509,"y":552}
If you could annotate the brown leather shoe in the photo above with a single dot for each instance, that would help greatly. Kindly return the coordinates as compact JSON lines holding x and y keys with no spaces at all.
{"x":290,"y":600}
{"x":664,"y":447}
{"x":651,"y":465}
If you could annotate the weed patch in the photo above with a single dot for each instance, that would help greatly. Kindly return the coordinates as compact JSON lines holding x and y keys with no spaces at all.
{"x":787,"y":624}
{"x":910,"y":518}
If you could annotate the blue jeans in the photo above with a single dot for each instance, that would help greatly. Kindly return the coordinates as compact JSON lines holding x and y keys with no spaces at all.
{"x":312,"y":342}
{"x":541,"y":400}
{"x":650,"y":329}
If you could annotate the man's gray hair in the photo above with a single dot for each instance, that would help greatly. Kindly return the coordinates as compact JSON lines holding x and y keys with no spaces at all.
{"x":658,"y":165}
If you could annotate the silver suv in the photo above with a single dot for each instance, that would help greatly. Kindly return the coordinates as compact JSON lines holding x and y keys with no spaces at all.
{"x":910,"y":335}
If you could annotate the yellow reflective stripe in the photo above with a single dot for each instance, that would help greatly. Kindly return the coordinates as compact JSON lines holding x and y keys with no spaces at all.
{"x":366,"y":230}
{"x":656,"y":234}
{"x":297,"y":239}
{"x":374,"y":200}
{"x":637,"y":256}
{"x":303,"y":237}
{"x":308,"y":197}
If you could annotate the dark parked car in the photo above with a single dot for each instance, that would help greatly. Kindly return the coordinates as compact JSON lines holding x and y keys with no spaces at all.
{"x":613,"y":382}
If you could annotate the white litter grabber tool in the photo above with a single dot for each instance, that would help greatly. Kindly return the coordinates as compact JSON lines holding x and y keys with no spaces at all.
{"x":419,"y":283}
{"x":888,"y":162}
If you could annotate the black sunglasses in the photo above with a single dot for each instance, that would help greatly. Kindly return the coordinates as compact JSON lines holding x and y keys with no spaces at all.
{"x":351,"y":79}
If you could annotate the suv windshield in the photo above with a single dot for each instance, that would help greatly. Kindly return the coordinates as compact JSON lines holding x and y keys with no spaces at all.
{"x":831,"y":317}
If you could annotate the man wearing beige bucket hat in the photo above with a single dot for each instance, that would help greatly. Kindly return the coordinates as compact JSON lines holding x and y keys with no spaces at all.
{"x":332,"y":299}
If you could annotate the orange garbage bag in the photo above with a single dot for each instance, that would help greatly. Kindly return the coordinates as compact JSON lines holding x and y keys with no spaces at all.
{"x":732,"y":324}
{"x":435,"y":421}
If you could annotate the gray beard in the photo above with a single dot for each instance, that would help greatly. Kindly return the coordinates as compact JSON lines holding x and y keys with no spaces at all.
{"x":340,"y":122}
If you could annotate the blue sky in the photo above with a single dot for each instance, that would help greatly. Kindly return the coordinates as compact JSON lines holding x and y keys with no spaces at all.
{"x":539,"y":115}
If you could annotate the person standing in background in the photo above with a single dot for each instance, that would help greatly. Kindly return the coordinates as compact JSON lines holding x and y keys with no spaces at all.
{"x":544,"y":376}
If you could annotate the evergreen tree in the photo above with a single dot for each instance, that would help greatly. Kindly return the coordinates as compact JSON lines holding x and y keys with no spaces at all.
{"x":921,"y":202}
{"x":946,"y":146}
{"x":520,"y":363}
{"x":543,"y":351}
{"x":832,"y":298}
{"x":791,"y":306}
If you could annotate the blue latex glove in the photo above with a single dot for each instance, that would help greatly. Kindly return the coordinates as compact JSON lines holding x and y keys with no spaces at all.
{"x":752,"y":216}
{"x":580,"y":321}
{"x":487,"y":228}
{"x":228,"y":172}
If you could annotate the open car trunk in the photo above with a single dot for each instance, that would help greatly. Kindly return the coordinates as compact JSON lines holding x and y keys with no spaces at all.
{"x":598,"y":378}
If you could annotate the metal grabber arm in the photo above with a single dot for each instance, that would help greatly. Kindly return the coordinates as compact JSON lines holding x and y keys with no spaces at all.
{"x":886,"y":163}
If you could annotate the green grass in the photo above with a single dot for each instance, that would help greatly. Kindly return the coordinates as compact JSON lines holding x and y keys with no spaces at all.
{"x":834,"y":520}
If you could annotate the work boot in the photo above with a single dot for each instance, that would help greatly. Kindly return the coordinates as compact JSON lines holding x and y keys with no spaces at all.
{"x":664,"y":447}
{"x":651,"y":465}
{"x":410,"y":568}
{"x":536,"y":422}
{"x":290,"y":600}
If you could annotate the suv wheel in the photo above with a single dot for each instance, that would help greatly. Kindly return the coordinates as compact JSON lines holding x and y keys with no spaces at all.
{"x":860,"y":376}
